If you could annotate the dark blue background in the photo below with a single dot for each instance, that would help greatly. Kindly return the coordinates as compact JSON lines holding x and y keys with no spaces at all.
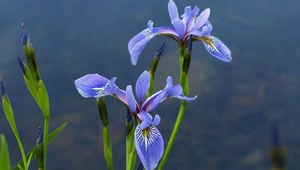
{"x":226,"y":128}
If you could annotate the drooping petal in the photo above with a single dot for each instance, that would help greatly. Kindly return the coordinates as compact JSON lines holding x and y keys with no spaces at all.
{"x":149,"y":146}
{"x":217,"y":48}
{"x":137,"y":44}
{"x":132,"y":105}
{"x":114,"y":89}
{"x":142,"y":85}
{"x":173,"y":11}
{"x":202,"y":19}
{"x":153,"y":101}
{"x":91,"y":85}
{"x":177,"y":92}
{"x":179,"y":26}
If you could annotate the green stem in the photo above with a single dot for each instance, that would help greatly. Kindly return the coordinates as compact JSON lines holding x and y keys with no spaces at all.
{"x":185,"y":85}
{"x":130,"y":146}
{"x":45,"y":144}
{"x":107,"y":148}
{"x":152,"y":78}
{"x":22,"y":151}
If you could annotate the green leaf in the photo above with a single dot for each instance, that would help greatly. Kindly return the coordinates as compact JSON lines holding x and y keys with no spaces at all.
{"x":38,"y":91}
{"x":43,"y":99}
{"x":4,"y":155}
{"x":34,"y":152}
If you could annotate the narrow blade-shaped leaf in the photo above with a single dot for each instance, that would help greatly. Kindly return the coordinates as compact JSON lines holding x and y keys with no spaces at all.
{"x":4,"y":155}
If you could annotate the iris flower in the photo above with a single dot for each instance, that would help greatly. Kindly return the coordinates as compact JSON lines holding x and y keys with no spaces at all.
{"x":190,"y":24}
{"x":148,"y":140}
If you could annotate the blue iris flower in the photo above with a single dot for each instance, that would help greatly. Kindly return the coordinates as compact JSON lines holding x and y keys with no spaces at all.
{"x":148,"y":140}
{"x":189,"y":24}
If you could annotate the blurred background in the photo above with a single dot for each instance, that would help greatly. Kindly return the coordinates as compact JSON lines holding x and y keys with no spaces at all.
{"x":227,"y":127}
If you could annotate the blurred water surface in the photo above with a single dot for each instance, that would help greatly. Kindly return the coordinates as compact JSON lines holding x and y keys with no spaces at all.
{"x":226,"y":128}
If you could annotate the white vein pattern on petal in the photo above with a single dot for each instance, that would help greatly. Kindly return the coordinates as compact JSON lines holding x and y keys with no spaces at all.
{"x":148,"y":138}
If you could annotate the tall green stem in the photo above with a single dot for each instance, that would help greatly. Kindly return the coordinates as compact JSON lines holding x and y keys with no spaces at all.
{"x":107,"y":148}
{"x":183,"y":61}
{"x":45,"y":137}
{"x":130,"y":146}
{"x":22,"y":151}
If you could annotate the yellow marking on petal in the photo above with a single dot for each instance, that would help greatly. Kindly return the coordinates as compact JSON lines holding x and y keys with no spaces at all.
{"x":210,"y":42}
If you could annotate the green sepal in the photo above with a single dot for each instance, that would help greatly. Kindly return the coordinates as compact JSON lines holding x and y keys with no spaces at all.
{"x":4,"y":155}
{"x":34,"y":150}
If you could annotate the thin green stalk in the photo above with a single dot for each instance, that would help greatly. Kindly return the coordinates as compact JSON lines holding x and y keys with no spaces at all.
{"x":22,"y":151}
{"x":45,"y":144}
{"x":151,"y":87}
{"x":105,"y":132}
{"x":130,"y":146}
{"x":107,"y":148}
{"x":185,"y":85}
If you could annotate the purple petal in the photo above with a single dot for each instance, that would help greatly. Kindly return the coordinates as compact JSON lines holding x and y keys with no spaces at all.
{"x":91,"y":85}
{"x":113,"y":89}
{"x":142,"y":85}
{"x":196,"y":11}
{"x":177,"y":92}
{"x":202,"y":19}
{"x":145,"y":116}
{"x":179,"y":26}
{"x":153,"y":101}
{"x":156,"y":120}
{"x":169,"y":84}
{"x":144,"y":125}
{"x":173,"y":12}
{"x":217,"y":48}
{"x":188,"y":18}
{"x":149,"y":146}
{"x":137,"y":44}
{"x":132,"y":105}
{"x":204,"y":31}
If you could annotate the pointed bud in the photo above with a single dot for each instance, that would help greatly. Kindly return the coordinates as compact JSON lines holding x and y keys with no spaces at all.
{"x":39,"y":140}
{"x":160,"y":50}
{"x":156,"y":58}
{"x":153,"y":66}
{"x":21,"y":63}
{"x":24,"y":35}
{"x":2,"y":89}
{"x":30,"y":54}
